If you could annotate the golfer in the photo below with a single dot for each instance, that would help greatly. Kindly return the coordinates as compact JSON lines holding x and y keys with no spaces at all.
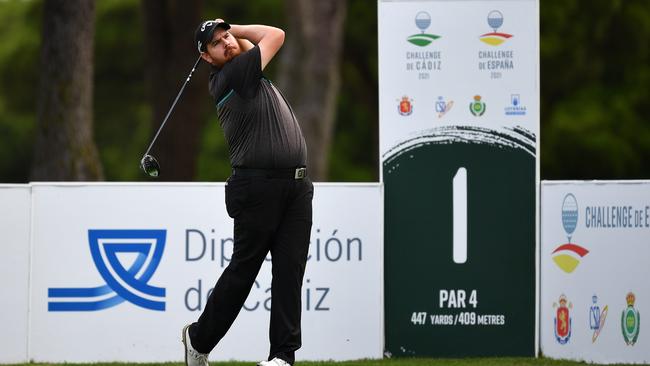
{"x":268,"y":195}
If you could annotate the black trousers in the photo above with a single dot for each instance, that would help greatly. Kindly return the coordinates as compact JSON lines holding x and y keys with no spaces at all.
{"x":270,"y":214}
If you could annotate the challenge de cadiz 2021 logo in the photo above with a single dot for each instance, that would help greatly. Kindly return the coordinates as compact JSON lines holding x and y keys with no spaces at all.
{"x":121,"y":283}
{"x":418,"y":60}
{"x":422,"y":21}
{"x":567,"y":256}
{"x":630,"y":321}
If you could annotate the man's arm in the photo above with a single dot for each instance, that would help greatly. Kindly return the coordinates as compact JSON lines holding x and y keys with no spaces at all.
{"x":245,"y":44}
{"x":268,"y":39}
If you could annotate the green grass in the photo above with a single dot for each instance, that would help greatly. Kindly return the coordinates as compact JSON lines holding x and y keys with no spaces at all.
{"x":385,"y":362}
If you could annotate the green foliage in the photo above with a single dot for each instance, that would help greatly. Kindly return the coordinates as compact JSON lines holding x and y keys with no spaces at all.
{"x":354,"y":154}
{"x":121,"y":108}
{"x":19,"y":58}
{"x":213,"y":164}
{"x":595,"y":71}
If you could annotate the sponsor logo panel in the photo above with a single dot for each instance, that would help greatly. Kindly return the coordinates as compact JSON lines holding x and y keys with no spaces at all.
{"x":110,"y":251}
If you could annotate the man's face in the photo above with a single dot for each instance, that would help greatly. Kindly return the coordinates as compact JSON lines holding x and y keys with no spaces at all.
{"x":223,"y":48}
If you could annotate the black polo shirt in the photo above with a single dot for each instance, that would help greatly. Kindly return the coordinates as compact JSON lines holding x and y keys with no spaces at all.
{"x":261,"y":130}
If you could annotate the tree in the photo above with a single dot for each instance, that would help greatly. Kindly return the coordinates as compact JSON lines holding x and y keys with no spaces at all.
{"x":64,"y":147}
{"x":310,"y":72}
{"x":169,"y":40}
{"x":354,"y":154}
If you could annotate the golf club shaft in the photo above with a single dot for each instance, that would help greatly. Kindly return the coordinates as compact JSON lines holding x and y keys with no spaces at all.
{"x":173,"y":105}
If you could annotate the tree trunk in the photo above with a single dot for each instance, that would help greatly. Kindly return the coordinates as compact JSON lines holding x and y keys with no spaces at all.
{"x":310,"y":75}
{"x":169,"y":27}
{"x":64,"y":147}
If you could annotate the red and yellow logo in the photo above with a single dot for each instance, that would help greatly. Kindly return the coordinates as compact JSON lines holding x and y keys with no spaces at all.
{"x":495,"y":21}
{"x":567,"y":256}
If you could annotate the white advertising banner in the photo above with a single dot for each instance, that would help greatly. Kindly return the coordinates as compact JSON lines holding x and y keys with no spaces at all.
{"x":120,"y":269}
{"x":594,"y":260}
{"x":14,"y":271}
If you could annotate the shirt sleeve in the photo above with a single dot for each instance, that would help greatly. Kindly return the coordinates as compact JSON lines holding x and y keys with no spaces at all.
{"x":217,"y":86}
{"x":244,"y":72}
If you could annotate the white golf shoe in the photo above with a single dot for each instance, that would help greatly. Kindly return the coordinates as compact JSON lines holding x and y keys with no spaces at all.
{"x":192,"y":356}
{"x":274,"y":362}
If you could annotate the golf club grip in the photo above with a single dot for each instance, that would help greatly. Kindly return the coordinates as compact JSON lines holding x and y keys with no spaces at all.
{"x":173,"y":105}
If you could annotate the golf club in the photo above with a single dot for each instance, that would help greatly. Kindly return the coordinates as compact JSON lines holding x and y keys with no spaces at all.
{"x":148,"y":163}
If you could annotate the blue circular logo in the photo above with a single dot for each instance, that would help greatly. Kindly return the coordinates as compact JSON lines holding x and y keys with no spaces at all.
{"x":569,"y":213}
{"x":495,"y":19}
{"x":423,"y":20}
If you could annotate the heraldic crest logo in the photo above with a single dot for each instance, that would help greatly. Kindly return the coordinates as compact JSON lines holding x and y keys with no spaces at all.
{"x":630,"y":321}
{"x":562,"y":320}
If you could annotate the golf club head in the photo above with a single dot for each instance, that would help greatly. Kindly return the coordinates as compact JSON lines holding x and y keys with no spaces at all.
{"x":150,"y":166}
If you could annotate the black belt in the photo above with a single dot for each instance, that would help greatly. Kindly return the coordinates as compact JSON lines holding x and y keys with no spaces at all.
{"x":291,"y":173}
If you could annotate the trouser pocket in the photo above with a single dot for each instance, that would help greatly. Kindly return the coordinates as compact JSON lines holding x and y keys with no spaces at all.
{"x":237,"y":192}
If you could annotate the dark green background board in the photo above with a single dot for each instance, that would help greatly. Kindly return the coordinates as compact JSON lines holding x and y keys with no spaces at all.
{"x":500,"y":262}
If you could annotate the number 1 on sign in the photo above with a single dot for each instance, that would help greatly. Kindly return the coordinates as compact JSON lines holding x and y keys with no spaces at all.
{"x":460,"y":216}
